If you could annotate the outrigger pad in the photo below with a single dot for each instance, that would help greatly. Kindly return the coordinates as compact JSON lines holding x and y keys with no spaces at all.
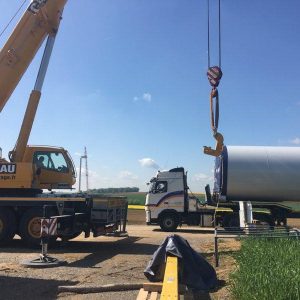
{"x":194,"y":270}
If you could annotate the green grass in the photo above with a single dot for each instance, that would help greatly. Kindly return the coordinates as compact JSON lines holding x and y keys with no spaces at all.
{"x":140,"y":197}
{"x":267,"y":269}
{"x":134,"y":198}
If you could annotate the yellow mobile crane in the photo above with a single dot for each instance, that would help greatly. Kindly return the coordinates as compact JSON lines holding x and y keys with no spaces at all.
{"x":30,"y":169}
{"x":25,"y":173}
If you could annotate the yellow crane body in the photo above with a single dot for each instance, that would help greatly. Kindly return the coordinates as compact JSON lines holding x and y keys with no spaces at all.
{"x":22,"y":45}
{"x":57,"y":171}
{"x":32,"y":167}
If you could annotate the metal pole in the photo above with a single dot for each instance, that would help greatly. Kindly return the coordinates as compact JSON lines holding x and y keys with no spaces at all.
{"x":243,"y":221}
{"x":86,"y":169}
{"x":125,"y":212}
{"x":79,"y":187}
{"x":216,"y":249}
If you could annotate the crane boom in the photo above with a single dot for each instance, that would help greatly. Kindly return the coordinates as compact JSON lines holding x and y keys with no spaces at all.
{"x":41,"y":19}
{"x":17,"y":154}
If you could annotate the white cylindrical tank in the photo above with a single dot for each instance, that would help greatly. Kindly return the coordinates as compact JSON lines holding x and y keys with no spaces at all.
{"x":258,"y":173}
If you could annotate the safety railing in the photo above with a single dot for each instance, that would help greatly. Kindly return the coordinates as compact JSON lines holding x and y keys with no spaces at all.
{"x":256,"y":231}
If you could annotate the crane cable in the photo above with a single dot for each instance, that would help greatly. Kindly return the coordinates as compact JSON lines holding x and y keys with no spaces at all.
{"x":214,"y":75}
{"x":208,"y":32}
{"x":1,"y":33}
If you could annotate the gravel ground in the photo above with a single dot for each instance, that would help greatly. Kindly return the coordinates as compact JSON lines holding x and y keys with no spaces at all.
{"x":103,"y":260}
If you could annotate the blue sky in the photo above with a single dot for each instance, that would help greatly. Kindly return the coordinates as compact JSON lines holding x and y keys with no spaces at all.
{"x":127,"y":79}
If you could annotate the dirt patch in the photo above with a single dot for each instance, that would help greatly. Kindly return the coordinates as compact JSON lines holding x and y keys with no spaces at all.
{"x":293,"y":223}
{"x":105,"y":260}
{"x":136,"y":216}
{"x":100,"y":261}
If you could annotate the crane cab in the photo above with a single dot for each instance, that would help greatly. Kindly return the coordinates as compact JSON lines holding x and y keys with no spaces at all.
{"x":53,"y":166}
{"x":42,"y":167}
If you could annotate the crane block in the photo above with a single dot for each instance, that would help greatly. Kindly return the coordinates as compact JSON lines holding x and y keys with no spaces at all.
{"x":214,"y":75}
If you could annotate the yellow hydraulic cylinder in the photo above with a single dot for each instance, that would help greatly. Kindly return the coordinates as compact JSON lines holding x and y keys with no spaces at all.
{"x":19,"y":150}
{"x":170,"y":283}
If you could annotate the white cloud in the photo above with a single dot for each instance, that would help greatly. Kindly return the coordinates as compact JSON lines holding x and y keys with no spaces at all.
{"x":147,"y":97}
{"x":148,"y":163}
{"x":127,"y":175}
{"x":90,"y":172}
{"x":201,"y":176}
{"x":295,"y":141}
{"x":94,"y":179}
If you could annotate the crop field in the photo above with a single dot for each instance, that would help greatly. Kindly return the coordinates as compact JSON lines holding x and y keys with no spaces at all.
{"x":267,"y":269}
{"x":135,"y":198}
{"x":140,"y":197}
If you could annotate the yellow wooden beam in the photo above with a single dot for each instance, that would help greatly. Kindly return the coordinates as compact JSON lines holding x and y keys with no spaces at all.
{"x":170,"y":283}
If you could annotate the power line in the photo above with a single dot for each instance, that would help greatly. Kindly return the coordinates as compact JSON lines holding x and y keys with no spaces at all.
{"x":12,"y":18}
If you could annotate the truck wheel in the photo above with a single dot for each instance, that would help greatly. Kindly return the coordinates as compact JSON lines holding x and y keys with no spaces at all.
{"x":168,"y":222}
{"x":30,"y":228}
{"x":231,"y":221}
{"x":8,"y":225}
{"x":265,"y":219}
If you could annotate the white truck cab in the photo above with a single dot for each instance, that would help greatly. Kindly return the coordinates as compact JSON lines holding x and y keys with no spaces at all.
{"x":168,"y":203}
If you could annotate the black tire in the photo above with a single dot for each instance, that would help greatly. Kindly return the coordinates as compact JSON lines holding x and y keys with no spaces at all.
{"x":30,"y":228}
{"x":265,"y":219}
{"x":231,"y":221}
{"x":168,"y":222}
{"x":8,"y":225}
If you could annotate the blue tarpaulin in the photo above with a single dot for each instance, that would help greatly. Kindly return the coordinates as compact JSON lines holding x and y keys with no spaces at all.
{"x":194,"y":271}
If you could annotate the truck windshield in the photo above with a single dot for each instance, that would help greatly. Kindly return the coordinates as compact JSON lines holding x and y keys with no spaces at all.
{"x":158,"y":187}
{"x":152,"y":187}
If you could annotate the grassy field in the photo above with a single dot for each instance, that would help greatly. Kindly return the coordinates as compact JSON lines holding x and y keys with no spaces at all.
{"x":267,"y":269}
{"x":135,"y":198}
{"x":140,"y":197}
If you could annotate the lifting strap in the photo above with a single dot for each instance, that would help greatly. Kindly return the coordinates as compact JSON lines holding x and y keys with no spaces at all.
{"x":214,"y":110}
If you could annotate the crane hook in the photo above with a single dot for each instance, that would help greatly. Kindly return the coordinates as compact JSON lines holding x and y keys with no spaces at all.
{"x":214,"y":75}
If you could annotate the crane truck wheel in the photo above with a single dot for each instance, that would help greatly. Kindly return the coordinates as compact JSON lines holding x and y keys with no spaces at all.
{"x":8,"y":225}
{"x":168,"y":222}
{"x":30,"y":228}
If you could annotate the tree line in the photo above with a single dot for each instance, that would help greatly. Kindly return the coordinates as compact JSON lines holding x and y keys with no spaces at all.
{"x":114,"y":190}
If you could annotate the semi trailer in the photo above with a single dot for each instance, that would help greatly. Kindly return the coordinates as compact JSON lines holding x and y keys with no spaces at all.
{"x":169,"y":204}
{"x":30,"y":170}
{"x":266,"y":176}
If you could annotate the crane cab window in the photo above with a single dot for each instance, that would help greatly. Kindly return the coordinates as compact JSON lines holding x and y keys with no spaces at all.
{"x":52,"y":161}
{"x":159,"y":187}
